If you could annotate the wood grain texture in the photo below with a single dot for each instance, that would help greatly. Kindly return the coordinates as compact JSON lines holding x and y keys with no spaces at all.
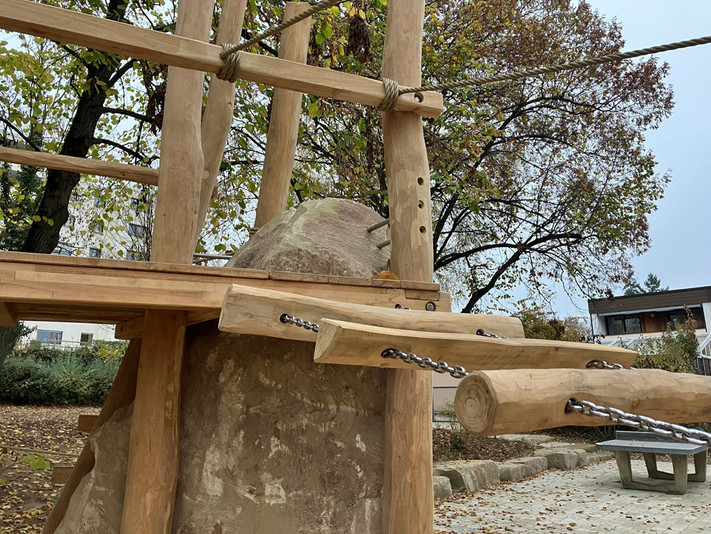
{"x":152,"y":472}
{"x":283,"y":123}
{"x":181,"y":160}
{"x":219,"y":109}
{"x":407,"y":491}
{"x":345,"y":343}
{"x":121,"y":394}
{"x":8,"y":316}
{"x":86,"y":423}
{"x":109,"y":36}
{"x":132,"y":173}
{"x":256,"y":311}
{"x":503,"y":402}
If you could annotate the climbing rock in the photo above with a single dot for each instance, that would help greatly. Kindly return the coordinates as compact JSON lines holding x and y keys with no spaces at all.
{"x":469,"y":475}
{"x":326,"y":236}
{"x":534,"y":464}
{"x":510,"y":471}
{"x":559,"y":459}
{"x":442,"y":487}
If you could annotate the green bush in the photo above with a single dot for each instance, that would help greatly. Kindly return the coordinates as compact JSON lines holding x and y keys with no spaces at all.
{"x":64,"y":379}
{"x":676,"y":350}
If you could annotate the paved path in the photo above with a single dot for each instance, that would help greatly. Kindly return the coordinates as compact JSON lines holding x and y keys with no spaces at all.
{"x":585,"y":500}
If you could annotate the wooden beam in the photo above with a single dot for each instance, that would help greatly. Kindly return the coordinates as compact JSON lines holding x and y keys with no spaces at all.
{"x":86,"y":422}
{"x":110,"y":36}
{"x":8,"y":317}
{"x":283,"y":124}
{"x":257,"y":311}
{"x":347,"y":343}
{"x":219,"y":110}
{"x":152,"y":472}
{"x":132,"y":173}
{"x":122,"y":393}
{"x":408,"y":499}
{"x":61,"y":474}
{"x":97,"y":290}
{"x":503,"y":402}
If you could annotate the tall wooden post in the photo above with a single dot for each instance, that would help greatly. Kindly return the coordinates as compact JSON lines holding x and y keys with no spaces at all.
{"x":283,"y":124}
{"x":408,"y":495}
{"x":152,"y":472}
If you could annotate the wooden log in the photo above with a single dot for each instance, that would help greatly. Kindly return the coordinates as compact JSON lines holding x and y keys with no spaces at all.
{"x":86,"y":422}
{"x":346,"y":343}
{"x":110,"y":36}
{"x":283,"y":124}
{"x":152,"y":472}
{"x":121,"y":394}
{"x":181,"y":162}
{"x":219,"y":109}
{"x":132,"y":173}
{"x":8,"y":317}
{"x":407,"y":491}
{"x":257,"y":311}
{"x":503,"y":402}
{"x":61,"y":474}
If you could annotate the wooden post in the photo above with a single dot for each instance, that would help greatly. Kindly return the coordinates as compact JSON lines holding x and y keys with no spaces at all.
{"x":122,"y":394}
{"x":219,"y":109}
{"x":181,"y":159}
{"x":283,"y":124}
{"x":506,"y":402}
{"x":407,"y":494}
{"x":152,"y":473}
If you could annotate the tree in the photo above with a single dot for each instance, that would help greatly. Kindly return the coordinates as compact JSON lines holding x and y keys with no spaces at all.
{"x":651,"y":285}
{"x":539,"y":324}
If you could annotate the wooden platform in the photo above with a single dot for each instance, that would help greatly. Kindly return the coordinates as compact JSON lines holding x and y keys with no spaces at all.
{"x":64,"y":288}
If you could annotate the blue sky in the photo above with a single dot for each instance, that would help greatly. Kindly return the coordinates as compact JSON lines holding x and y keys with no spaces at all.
{"x":680,"y":254}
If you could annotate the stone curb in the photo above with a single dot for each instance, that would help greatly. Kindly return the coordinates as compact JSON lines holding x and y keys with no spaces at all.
{"x":470,"y":475}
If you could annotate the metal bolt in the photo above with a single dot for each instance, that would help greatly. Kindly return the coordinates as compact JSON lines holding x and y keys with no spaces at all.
{"x":430,"y":306}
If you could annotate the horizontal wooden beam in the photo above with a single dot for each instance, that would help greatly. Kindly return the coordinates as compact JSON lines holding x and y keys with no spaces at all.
{"x":256,"y":310}
{"x":133,"y":173}
{"x":504,"y":402}
{"x":97,"y":290}
{"x":346,"y":343}
{"x":110,"y":36}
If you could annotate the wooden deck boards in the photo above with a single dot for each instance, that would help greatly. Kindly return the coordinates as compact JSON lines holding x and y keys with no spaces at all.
{"x":64,"y":288}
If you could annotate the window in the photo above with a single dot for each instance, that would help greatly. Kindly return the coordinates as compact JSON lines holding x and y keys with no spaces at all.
{"x":678,"y":317}
{"x":94,"y":252}
{"x":623,"y":324}
{"x":62,"y":250}
{"x":71,"y":220}
{"x":96,"y":227}
{"x":136,"y":230}
{"x":86,"y":338}
{"x":49,"y":336}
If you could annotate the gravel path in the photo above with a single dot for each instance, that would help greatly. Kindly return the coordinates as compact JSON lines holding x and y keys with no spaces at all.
{"x":585,"y":500}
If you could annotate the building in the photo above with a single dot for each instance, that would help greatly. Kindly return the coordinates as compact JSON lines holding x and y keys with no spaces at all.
{"x":629,"y":319}
{"x":67,"y":335}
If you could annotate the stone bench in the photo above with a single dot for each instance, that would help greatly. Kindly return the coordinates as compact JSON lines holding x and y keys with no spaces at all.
{"x":650,"y":445}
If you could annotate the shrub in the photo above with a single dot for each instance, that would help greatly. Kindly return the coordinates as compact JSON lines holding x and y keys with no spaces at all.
{"x":675,"y":351}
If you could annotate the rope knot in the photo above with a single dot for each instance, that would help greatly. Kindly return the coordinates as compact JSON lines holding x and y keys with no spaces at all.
{"x":392,"y":92}
{"x":230,"y":55}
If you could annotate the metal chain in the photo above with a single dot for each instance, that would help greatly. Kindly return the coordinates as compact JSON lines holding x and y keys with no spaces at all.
{"x":641,"y":422}
{"x":456,"y":371}
{"x":602,"y":364}
{"x":308,"y":325}
{"x":482,"y":332}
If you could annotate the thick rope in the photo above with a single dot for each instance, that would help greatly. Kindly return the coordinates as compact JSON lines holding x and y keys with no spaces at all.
{"x":230,"y":52}
{"x":392,"y":93}
{"x":560,"y":68}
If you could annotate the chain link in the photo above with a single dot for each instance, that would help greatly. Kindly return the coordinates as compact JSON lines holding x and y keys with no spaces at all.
{"x":456,"y":371}
{"x":308,"y":325}
{"x":484,"y":333}
{"x":641,"y":422}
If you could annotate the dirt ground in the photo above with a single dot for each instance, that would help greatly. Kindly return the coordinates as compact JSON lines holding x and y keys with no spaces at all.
{"x":32,"y":439}
{"x":43,"y":437}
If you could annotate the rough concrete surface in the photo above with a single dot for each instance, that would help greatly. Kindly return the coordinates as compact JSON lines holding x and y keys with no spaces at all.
{"x":585,"y":500}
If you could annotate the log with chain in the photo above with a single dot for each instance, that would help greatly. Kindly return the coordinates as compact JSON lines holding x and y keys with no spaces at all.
{"x":509,"y":384}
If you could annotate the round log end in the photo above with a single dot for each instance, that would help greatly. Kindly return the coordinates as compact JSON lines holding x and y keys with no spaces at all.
{"x":475,"y":403}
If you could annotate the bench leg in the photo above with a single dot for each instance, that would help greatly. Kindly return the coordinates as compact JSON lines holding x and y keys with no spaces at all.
{"x":650,"y":460}
{"x":625,"y":467}
{"x":700,"y":468}
{"x":681,"y":464}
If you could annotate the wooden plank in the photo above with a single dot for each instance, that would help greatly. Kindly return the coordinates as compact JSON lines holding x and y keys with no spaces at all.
{"x":132,"y":173}
{"x":219,"y":109}
{"x":152,"y":472}
{"x":86,"y":422}
{"x":249,"y":310}
{"x":61,"y":474}
{"x":110,"y":36}
{"x":503,"y":402}
{"x":298,"y":277}
{"x":8,"y":316}
{"x":132,"y":329}
{"x":407,"y":489}
{"x":283,"y":123}
{"x":347,"y":343}
{"x":121,"y":394}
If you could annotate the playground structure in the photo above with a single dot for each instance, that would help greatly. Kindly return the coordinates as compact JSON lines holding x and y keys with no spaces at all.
{"x":153,"y":303}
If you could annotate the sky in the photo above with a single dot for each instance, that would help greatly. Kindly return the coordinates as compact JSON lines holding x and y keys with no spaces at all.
{"x":680,"y":255}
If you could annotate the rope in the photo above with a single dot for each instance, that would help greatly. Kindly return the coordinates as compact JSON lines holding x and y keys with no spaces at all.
{"x":230,"y":52}
{"x":560,"y":68}
{"x":392,"y":93}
